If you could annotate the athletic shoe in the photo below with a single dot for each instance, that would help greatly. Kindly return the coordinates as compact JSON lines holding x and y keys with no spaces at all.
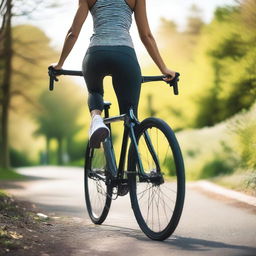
{"x":98,"y":132}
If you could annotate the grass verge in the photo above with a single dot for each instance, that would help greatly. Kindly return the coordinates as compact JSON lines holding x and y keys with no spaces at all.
{"x":242,"y":182}
{"x":10,"y":174}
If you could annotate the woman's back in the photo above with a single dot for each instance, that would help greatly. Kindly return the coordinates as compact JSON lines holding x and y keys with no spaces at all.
{"x":112,"y":21}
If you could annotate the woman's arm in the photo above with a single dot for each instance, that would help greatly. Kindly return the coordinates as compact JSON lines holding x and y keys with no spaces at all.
{"x":73,"y":32}
{"x":147,"y":37}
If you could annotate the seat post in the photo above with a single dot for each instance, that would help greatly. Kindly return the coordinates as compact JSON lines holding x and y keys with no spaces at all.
{"x":107,"y":105}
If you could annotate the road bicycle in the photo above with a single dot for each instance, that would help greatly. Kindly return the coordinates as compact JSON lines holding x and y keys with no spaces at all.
{"x":150,"y":169}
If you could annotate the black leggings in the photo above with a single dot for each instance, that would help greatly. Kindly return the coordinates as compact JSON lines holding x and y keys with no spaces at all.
{"x":121,"y":63}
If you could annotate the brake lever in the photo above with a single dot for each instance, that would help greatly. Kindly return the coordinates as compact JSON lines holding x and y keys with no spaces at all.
{"x":174,"y":83}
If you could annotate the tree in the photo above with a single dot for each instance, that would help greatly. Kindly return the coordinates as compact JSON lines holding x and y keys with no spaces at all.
{"x":9,"y":9}
{"x":231,"y":52}
{"x":6,"y":52}
{"x":194,"y":21}
{"x":58,"y":118}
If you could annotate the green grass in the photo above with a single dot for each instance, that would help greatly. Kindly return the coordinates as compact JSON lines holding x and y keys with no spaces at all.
{"x":2,"y":194}
{"x":9,"y":174}
{"x":224,"y":153}
{"x":240,"y":181}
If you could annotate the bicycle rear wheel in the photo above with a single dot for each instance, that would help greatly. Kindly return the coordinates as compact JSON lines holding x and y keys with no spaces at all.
{"x":157,"y":194}
{"x":98,"y":192}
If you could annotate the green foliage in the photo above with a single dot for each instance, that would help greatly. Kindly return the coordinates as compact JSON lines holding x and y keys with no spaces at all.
{"x":31,"y":55}
{"x":170,"y":166}
{"x":192,"y":153}
{"x":223,"y":14}
{"x":251,"y":182}
{"x":232,"y":56}
{"x":209,"y":109}
{"x":58,"y":118}
{"x":76,"y":151}
{"x":232,"y":47}
{"x":216,"y":166}
{"x":2,"y":193}
{"x":244,"y":131}
{"x":231,"y":159}
{"x":18,"y":158}
{"x":217,"y":62}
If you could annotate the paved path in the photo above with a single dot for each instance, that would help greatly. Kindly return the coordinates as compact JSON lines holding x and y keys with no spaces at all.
{"x":209,"y":225}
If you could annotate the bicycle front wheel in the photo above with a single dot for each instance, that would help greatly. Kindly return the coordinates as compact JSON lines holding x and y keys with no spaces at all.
{"x":157,"y":192}
{"x":98,"y":191}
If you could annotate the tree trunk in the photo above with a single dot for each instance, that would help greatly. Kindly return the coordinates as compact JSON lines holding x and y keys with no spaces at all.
{"x":6,"y":88}
{"x":69,"y":147}
{"x":60,"y":151}
{"x":47,"y":150}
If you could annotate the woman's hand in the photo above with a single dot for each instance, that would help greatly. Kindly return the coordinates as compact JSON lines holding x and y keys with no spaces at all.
{"x":170,"y":74}
{"x":56,"y":66}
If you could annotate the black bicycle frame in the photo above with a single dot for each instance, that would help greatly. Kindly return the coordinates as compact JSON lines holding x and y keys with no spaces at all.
{"x":130,"y":121}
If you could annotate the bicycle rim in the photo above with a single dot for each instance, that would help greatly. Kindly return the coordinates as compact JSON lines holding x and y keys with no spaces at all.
{"x":98,"y":194}
{"x":157,"y":195}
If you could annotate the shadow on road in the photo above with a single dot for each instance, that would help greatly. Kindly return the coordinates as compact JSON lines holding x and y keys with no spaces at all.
{"x":19,"y":184}
{"x":173,"y":243}
{"x":194,"y":244}
{"x":182,"y":243}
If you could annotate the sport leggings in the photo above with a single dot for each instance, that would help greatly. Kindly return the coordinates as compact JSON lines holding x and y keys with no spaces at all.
{"x":121,"y":63}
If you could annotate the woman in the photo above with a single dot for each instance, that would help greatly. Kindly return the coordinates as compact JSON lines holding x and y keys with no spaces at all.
{"x":111,"y":52}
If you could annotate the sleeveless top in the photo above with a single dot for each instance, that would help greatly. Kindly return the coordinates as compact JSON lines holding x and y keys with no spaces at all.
{"x":112,"y":20}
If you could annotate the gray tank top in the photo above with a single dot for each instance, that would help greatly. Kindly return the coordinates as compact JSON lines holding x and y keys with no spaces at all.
{"x":112,"y":20}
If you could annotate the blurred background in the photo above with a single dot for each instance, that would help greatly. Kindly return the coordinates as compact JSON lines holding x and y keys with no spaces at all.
{"x":211,"y":43}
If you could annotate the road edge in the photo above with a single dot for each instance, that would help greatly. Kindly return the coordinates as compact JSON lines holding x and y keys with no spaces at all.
{"x":216,"y":189}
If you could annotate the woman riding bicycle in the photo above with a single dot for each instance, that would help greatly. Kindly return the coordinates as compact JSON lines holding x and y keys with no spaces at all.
{"x":111,"y":52}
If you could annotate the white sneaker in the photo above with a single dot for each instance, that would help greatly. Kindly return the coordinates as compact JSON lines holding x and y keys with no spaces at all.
{"x":98,"y":132}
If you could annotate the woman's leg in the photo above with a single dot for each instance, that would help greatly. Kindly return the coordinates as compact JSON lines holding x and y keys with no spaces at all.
{"x":93,"y":74}
{"x":127,"y":82}
{"x":95,"y":112}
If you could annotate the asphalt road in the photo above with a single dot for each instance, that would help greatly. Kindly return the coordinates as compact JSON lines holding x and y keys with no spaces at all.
{"x":209,"y":225}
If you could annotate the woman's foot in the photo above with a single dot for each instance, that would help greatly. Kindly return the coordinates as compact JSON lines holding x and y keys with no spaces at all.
{"x":98,"y":132}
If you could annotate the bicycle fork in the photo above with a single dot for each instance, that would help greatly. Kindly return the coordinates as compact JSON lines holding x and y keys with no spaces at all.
{"x":142,"y":175}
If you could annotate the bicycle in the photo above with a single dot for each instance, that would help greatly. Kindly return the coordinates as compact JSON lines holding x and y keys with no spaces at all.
{"x":155,"y":176}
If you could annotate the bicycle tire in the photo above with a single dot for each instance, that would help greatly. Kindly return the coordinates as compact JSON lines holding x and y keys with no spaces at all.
{"x":148,"y":191}
{"x":98,"y":191}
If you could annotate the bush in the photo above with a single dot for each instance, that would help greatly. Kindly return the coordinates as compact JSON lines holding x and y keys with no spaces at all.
{"x":251,"y":181}
{"x":217,"y":166}
{"x":244,"y":130}
{"x":18,"y":159}
{"x":169,"y":164}
{"x":76,"y":152}
{"x":247,"y":146}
